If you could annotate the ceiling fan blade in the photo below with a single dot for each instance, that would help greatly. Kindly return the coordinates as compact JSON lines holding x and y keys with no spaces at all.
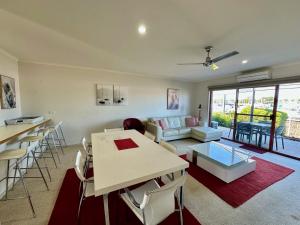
{"x":224,"y":56}
{"x":186,"y":64}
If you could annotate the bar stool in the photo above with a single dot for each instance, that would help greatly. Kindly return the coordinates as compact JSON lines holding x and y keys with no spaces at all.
{"x":32,"y":145}
{"x":55,"y":138}
{"x":15,"y":154}
{"x":61,"y":132}
{"x":44,"y":145}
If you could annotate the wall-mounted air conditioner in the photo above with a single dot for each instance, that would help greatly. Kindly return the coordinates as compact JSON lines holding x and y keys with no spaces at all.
{"x":254,"y":76}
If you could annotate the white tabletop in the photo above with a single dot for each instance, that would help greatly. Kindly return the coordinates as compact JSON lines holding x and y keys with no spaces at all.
{"x":223,"y":154}
{"x":114,"y":169}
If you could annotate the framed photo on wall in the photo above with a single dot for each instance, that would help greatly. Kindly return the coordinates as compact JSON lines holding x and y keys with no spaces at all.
{"x":172,"y":99}
{"x":8,"y":92}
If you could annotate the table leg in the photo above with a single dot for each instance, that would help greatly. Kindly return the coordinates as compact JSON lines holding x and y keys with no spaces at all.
{"x":181,"y":192}
{"x":194,"y":157}
{"x":106,"y":210}
{"x":260,"y":138}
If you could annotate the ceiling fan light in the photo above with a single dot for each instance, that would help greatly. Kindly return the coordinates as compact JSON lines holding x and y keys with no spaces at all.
{"x":214,"y":67}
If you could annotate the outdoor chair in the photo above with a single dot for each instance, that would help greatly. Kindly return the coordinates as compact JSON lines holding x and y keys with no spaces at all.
{"x":278,"y":134}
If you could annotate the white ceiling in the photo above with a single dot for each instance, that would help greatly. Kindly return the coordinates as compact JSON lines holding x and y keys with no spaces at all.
{"x":103,"y":34}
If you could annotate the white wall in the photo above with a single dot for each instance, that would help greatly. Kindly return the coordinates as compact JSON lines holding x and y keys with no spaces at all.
{"x":9,"y":67}
{"x":201,"y":89}
{"x":71,"y":94}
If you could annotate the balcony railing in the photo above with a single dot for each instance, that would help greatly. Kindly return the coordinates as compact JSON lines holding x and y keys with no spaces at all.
{"x":292,"y":128}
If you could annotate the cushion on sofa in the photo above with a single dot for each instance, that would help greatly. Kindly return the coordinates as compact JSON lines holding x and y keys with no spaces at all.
{"x":207,"y":132}
{"x":170,"y":132}
{"x":184,"y":130}
{"x":192,"y":121}
{"x":174,"y":122}
{"x":163,"y":124}
{"x":182,"y":121}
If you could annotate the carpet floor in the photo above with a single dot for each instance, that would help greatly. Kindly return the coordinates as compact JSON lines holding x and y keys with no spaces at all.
{"x":241,"y":190}
{"x":92,"y":212}
{"x":277,"y":205}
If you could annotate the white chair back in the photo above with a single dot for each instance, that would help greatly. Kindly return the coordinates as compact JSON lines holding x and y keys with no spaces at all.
{"x":167,"y":146}
{"x":159,"y":204}
{"x":85,"y":145}
{"x":106,"y":130}
{"x":79,"y":166}
{"x":56,"y":127}
{"x":149,"y":135}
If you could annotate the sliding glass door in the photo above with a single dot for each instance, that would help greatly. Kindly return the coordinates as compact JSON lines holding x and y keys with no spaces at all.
{"x":287,"y":131}
{"x":254,"y":116}
{"x":223,"y":110}
{"x":264,"y":117}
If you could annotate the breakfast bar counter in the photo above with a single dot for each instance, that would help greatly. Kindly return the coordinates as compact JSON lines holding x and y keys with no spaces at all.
{"x":12,"y":131}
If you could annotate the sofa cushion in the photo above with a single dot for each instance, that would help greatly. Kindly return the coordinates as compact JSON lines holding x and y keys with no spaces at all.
{"x":190,"y":122}
{"x":184,"y":130}
{"x":170,"y":132}
{"x":163,"y":124}
{"x":182,"y":121}
{"x":207,"y":132}
{"x":174,"y":122}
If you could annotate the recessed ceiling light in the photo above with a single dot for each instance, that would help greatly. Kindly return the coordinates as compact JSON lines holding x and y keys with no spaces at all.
{"x":142,"y":29}
{"x":245,"y":61}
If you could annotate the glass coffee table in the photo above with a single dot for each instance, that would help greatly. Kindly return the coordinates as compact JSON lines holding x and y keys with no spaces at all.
{"x":225,"y":162}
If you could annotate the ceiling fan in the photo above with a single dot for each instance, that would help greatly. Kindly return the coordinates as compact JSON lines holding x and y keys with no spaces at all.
{"x":209,"y":62}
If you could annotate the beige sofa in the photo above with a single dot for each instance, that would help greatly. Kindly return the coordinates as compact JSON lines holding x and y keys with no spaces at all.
{"x":177,"y":129}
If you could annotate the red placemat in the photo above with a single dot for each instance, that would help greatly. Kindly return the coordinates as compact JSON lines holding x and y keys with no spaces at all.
{"x":127,"y":143}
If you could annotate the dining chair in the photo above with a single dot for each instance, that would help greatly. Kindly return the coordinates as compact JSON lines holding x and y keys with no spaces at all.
{"x":86,"y":183}
{"x":106,"y":130}
{"x":149,"y":135}
{"x":172,"y":149}
{"x":151,"y":203}
{"x":87,"y":150}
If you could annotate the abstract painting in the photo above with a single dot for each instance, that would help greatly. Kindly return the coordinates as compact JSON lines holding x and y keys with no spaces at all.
{"x":173,"y":99}
{"x":120,"y":95}
{"x":104,"y":94}
{"x":8,"y":92}
{"x":108,"y":94}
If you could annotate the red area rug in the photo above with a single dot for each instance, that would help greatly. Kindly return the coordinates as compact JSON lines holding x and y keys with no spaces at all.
{"x":92,"y":213}
{"x":254,"y":149}
{"x":241,"y":190}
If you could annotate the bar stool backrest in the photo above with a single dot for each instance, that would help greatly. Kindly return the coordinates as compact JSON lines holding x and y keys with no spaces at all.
{"x":56,"y":127}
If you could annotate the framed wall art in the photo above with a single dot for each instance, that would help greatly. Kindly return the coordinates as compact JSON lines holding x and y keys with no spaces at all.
{"x":111,"y":95}
{"x":8,"y":92}
{"x":172,"y":99}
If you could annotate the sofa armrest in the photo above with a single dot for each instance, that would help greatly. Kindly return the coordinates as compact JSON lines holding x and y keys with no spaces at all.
{"x":155,"y":130}
{"x":203,"y":123}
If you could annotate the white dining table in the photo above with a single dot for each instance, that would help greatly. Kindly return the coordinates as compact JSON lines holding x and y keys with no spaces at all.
{"x":115,"y":169}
